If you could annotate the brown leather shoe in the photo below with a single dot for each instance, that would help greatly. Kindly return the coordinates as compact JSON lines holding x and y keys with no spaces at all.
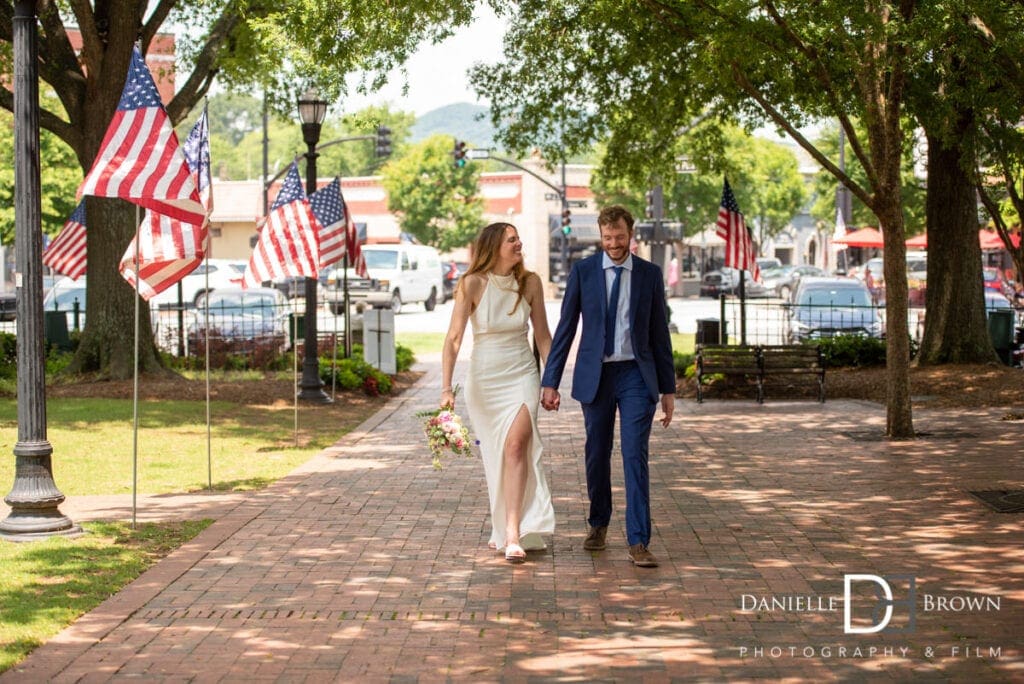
{"x":595,"y":538}
{"x":641,"y":557}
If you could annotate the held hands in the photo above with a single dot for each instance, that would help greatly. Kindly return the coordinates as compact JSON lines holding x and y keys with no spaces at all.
{"x":550,"y":399}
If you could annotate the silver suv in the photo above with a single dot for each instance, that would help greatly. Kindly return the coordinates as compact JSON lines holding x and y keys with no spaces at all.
{"x":826,"y":307}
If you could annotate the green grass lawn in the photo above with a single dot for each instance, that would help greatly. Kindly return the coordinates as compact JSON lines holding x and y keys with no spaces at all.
{"x":422,"y":342}
{"x":684,"y":343}
{"x":45,"y":585}
{"x":251,"y":446}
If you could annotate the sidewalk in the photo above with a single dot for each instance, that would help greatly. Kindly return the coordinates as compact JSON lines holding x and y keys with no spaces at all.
{"x":367,"y":563}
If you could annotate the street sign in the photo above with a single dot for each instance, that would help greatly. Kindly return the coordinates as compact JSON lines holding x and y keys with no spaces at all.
{"x":577,"y":203}
{"x":478,"y":153}
{"x":551,"y":196}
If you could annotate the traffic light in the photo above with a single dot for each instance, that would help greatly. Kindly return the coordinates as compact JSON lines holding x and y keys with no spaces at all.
{"x":459,"y":153}
{"x":383,"y":148}
{"x":649,"y":209}
{"x":566,"y":222}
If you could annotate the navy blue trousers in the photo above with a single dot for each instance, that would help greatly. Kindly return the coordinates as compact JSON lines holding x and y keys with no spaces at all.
{"x":621,"y":389}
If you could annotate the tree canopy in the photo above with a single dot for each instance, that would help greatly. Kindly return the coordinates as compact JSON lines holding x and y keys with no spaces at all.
{"x":435,"y":200}
{"x":280,"y":49}
{"x":639,"y":75}
{"x":764,"y":175}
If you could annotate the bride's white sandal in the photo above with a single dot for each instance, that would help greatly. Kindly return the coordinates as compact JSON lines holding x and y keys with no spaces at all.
{"x":514,"y":553}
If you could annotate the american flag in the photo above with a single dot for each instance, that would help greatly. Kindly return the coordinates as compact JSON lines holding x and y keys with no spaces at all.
{"x":288,"y":245}
{"x":140,"y":159}
{"x":66,"y":254}
{"x":739,"y":248}
{"x":329,"y":212}
{"x":169,"y":249}
{"x":355,"y":253}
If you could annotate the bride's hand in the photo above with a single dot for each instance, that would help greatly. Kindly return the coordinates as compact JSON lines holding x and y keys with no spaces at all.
{"x":447,"y":399}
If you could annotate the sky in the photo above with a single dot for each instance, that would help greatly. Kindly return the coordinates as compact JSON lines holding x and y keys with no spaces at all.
{"x":437,"y":73}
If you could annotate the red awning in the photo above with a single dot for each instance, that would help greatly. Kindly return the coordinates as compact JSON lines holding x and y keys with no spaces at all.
{"x":989,"y":239}
{"x":864,"y":237}
{"x":918,"y":241}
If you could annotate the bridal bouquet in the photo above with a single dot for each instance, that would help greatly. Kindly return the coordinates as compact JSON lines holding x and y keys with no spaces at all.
{"x":445,"y":433}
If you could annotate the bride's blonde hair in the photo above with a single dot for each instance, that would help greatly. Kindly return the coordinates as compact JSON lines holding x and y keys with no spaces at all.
{"x":485,"y":258}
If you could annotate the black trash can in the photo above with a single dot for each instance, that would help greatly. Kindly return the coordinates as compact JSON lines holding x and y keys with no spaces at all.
{"x":55,"y":330}
{"x":1000,"y":330}
{"x":708,"y":331}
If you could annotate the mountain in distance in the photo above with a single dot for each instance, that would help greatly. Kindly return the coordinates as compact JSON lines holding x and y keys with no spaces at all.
{"x":462,"y":121}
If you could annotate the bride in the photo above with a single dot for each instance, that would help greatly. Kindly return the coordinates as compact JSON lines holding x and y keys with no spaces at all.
{"x":501,"y":298}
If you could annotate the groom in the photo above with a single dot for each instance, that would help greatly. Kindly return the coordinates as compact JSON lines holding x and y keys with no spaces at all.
{"x":624,"y":362}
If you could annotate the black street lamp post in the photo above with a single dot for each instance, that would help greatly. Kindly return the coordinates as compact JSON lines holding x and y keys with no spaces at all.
{"x":34,"y":498}
{"x":311,"y":112}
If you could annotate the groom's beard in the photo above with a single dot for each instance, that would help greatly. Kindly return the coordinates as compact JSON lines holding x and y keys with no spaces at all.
{"x":617,"y":254}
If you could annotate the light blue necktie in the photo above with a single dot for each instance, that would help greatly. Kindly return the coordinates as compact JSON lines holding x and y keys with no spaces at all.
{"x":613,"y":308}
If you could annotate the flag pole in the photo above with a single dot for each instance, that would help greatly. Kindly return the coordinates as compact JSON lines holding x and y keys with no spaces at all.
{"x":334,"y":354}
{"x":743,"y":308}
{"x":295,"y":375}
{"x":206,"y":334}
{"x":135,"y":383}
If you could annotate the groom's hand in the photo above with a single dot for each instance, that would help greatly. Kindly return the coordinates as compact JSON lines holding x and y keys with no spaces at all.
{"x":668,"y":406}
{"x":550,"y":399}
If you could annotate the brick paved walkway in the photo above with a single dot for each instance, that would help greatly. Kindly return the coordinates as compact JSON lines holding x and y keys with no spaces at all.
{"x":366,"y":563}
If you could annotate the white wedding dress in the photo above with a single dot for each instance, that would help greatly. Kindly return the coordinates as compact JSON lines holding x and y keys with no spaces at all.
{"x":503,"y":377}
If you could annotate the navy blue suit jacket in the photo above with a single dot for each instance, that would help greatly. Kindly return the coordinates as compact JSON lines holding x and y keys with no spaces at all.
{"x":585,"y":296}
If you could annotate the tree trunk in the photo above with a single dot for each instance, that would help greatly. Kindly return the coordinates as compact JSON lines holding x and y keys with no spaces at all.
{"x":955,"y":329}
{"x":106,"y":347}
{"x":899,"y":417}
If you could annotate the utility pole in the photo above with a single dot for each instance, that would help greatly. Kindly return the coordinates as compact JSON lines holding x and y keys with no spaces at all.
{"x":655,"y":211}
{"x":565,"y":225}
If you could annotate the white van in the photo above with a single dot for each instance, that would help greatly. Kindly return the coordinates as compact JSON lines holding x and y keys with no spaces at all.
{"x":208,"y":275}
{"x":400,"y":273}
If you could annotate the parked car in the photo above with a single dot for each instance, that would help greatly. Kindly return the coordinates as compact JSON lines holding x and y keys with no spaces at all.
{"x":243,"y":318}
{"x":826,"y":307}
{"x":63,"y":296}
{"x":452,"y":271}
{"x":400,"y":273}
{"x":727,"y":281}
{"x":995,"y":281}
{"x":781,"y":282}
{"x":764,"y":263}
{"x":997,"y":301}
{"x":8,"y":306}
{"x":210,"y":275}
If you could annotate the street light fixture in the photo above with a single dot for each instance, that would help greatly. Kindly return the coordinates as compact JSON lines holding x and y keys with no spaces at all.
{"x":34,"y":498}
{"x":312,"y":111}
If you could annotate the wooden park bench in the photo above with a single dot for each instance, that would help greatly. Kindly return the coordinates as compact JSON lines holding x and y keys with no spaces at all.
{"x":760,"y":362}
{"x":721,"y":359}
{"x":793,"y":359}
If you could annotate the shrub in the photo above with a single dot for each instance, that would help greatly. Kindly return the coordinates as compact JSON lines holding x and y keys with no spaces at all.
{"x":354,"y":373}
{"x":346,"y":378}
{"x":404,"y":358}
{"x":8,"y":355}
{"x":57,"y":361}
{"x":852,"y":350}
{"x":683,"y":363}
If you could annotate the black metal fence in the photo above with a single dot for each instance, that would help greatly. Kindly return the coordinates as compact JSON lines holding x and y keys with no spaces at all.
{"x":773,"y":321}
{"x":258,"y":330}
